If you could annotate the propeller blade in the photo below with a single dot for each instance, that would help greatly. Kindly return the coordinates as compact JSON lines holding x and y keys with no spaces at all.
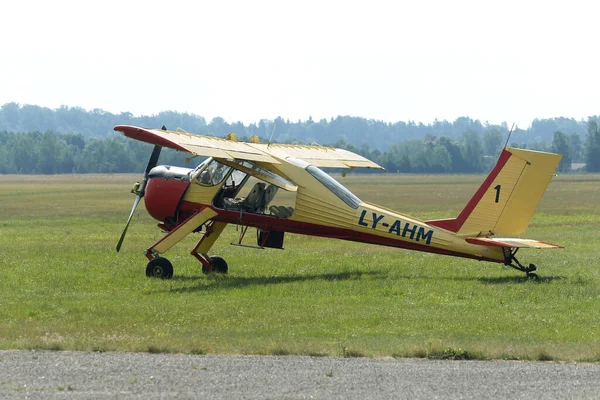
{"x":135,"y":204}
{"x":142,"y":190}
{"x":153,"y":159}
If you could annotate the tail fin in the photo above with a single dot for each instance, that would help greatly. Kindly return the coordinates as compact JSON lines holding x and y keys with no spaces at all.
{"x":506,"y":200}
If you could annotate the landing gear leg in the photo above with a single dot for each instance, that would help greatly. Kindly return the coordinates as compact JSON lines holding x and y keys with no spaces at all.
{"x":210,"y":264}
{"x":511,"y":261}
{"x":160,"y":267}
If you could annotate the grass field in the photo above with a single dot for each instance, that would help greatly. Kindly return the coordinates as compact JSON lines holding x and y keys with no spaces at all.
{"x":63,"y":286}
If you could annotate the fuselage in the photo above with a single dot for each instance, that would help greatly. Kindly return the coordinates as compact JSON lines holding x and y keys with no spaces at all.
{"x":322,"y":208}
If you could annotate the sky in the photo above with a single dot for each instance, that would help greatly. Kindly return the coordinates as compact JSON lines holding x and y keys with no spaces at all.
{"x":496,"y":61}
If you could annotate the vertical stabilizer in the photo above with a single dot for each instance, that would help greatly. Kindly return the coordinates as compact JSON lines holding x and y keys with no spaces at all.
{"x":506,"y":200}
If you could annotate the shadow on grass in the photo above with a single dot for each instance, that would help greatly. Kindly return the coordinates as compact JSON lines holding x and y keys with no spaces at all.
{"x":486,"y":281}
{"x":519,"y":279}
{"x":210,"y":282}
{"x":501,"y":280}
{"x":218,"y":281}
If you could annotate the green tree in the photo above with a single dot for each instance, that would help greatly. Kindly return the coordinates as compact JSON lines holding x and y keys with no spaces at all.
{"x":395,"y":159}
{"x":47,"y":153}
{"x":440,"y":160}
{"x":560,"y":145}
{"x":23,"y":149}
{"x":472,"y":151}
{"x":492,"y":141}
{"x":454,"y":151}
{"x":7,"y":160}
{"x":11,"y":112}
{"x":592,"y":155}
{"x":575,"y":146}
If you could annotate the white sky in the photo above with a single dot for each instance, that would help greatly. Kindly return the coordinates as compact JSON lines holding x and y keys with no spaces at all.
{"x":414,"y":60}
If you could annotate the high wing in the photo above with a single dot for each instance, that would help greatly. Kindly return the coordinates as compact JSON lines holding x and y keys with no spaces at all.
{"x":195,"y":144}
{"x":319,"y":156}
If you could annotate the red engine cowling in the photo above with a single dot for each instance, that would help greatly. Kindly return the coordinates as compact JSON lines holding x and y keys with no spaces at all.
{"x":164,"y":190}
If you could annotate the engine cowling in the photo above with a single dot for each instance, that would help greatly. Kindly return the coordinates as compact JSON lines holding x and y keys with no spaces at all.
{"x":165,"y":187}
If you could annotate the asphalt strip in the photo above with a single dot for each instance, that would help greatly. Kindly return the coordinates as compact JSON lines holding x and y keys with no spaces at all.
{"x":49,"y":374}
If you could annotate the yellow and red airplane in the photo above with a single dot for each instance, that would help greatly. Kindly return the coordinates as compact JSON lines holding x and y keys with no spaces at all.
{"x":278,"y":188}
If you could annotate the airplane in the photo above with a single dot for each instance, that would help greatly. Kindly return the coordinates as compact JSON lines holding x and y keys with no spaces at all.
{"x":279,"y":188}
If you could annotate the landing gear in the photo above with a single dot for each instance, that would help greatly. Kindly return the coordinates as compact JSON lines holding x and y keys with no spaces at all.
{"x":159,"y":268}
{"x":511,"y":261}
{"x":218,"y":265}
{"x":162,"y":268}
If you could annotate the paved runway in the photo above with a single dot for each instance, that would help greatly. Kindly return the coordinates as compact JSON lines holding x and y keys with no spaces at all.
{"x":45,"y":374}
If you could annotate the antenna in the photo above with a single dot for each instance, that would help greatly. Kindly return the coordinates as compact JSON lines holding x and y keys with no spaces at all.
{"x":272,"y":132}
{"x":509,"y":133}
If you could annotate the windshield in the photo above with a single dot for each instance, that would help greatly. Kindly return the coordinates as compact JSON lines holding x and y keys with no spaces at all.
{"x":200,"y":166}
{"x":213,"y":174}
{"x":336,"y":188}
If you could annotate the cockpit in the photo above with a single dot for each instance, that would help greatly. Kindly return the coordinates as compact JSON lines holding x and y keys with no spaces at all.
{"x":246,"y":187}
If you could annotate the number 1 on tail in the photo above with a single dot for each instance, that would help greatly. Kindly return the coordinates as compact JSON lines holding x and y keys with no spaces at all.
{"x":497,"y":188}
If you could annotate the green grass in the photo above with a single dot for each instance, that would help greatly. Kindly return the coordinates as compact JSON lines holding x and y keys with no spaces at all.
{"x":63,"y":286}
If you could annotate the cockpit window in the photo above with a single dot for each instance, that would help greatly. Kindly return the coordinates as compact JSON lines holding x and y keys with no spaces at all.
{"x":336,"y":188}
{"x":213,"y":174}
{"x":235,"y":178}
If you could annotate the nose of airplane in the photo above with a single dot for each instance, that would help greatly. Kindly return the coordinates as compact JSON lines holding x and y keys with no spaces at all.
{"x":164,"y":190}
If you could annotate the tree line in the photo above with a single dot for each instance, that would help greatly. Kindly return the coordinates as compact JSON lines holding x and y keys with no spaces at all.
{"x":378,"y":135}
{"x":56,"y":153}
{"x":51,"y":152}
{"x":476,"y":153}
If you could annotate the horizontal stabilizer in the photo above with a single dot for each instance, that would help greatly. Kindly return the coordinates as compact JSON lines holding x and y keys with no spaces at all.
{"x":513,"y":243}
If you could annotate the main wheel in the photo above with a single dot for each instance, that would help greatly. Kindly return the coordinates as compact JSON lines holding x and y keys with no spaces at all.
{"x":218,"y":265}
{"x":159,"y":268}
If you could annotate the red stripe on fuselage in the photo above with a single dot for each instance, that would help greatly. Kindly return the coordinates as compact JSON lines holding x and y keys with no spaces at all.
{"x":271,"y":223}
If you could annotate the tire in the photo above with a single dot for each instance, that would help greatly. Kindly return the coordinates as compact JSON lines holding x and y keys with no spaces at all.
{"x":159,"y":268}
{"x":219,"y":265}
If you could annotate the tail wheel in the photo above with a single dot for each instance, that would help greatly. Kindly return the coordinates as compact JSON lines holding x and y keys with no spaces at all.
{"x":159,"y":268}
{"x":219,"y":265}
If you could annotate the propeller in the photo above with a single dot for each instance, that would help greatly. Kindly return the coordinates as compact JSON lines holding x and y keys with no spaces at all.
{"x":140,"y":190}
